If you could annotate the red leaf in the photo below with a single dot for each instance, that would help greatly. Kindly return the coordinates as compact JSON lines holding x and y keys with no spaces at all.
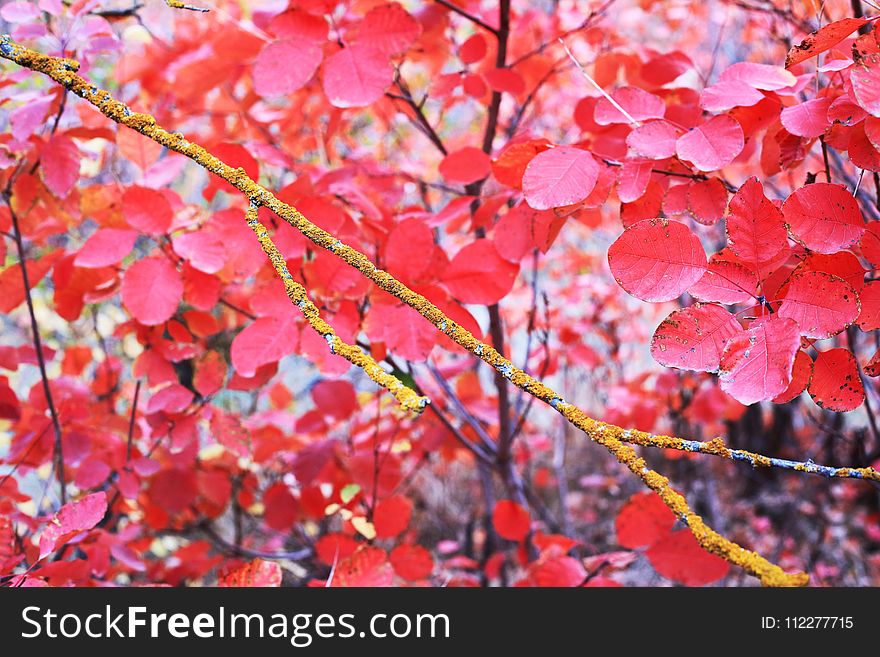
{"x":825,"y":38}
{"x":466,"y":165}
{"x":657,"y":259}
{"x":679,"y":557}
{"x":257,"y":573}
{"x":333,"y":548}
{"x":473,"y":50}
{"x":505,"y":80}
{"x":477,"y":274}
{"x":557,"y":570}
{"x":654,"y":140}
{"x":147,"y":210}
{"x":707,"y":200}
{"x":335,"y":398}
{"x":821,"y":304}
{"x":823,"y":217}
{"x":151,"y":290}
{"x":836,"y":385}
{"x":756,"y":365}
{"x":643,"y":520}
{"x":173,"y":398}
{"x":808,"y":119}
{"x":713,"y":145}
{"x":285,"y":66}
{"x":560,"y":176}
{"x":388,"y":29}
{"x":412,"y":562}
{"x":12,"y":284}
{"x":801,"y":373}
{"x":693,"y":338}
{"x":510,"y":166}
{"x":71,"y":519}
{"x":406,"y":247}
{"x":403,"y":331}
{"x":367,"y":567}
{"x":59,"y":165}
{"x":870,"y":243}
{"x":869,"y":317}
{"x":755,"y":228}
{"x":638,"y":103}
{"x":210,"y":373}
{"x":392,"y":516}
{"x":265,"y":340}
{"x":356,"y":76}
{"x":511,"y":521}
{"x":280,"y":507}
{"x":106,"y":246}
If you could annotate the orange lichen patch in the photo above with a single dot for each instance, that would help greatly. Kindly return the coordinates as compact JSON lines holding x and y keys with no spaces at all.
{"x":609,"y":436}
{"x":297,"y":294}
{"x":175,"y":4}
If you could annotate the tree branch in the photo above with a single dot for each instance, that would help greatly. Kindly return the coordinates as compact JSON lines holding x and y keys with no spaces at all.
{"x":58,"y":450}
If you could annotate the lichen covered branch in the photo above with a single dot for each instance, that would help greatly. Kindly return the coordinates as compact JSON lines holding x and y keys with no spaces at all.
{"x":353,"y":354}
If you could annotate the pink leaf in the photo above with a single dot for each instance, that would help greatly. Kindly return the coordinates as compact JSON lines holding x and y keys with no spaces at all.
{"x":59,"y":165}
{"x":707,"y":200}
{"x":693,"y":338}
{"x":106,"y":246}
{"x":265,"y":340}
{"x":726,"y":95}
{"x":869,"y":317}
{"x":71,"y":519}
{"x":759,"y":76}
{"x":356,"y":76}
{"x":285,"y":66}
{"x":638,"y":103}
{"x":151,"y":290}
{"x":865,"y":78}
{"x":654,"y":140}
{"x":712,"y":145}
{"x":756,"y":365}
{"x":823,"y":217}
{"x":657,"y":259}
{"x":822,"y":305}
{"x":808,"y":119}
{"x":388,"y":29}
{"x":560,"y":176}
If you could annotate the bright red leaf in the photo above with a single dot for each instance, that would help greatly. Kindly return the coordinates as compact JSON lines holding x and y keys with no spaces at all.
{"x":510,"y":520}
{"x":821,"y":304}
{"x":356,"y":76}
{"x":477,"y":274}
{"x":836,"y":385}
{"x":657,"y":260}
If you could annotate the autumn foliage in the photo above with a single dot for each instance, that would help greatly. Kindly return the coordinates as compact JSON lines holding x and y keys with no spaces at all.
{"x":229,"y":235}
